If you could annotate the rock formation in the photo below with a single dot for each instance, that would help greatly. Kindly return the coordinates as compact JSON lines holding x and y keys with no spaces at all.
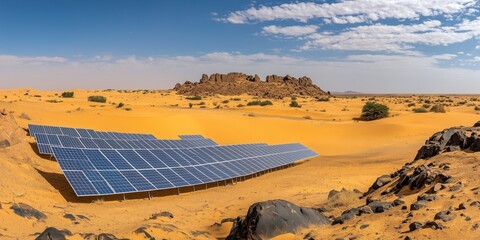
{"x":240,"y":83}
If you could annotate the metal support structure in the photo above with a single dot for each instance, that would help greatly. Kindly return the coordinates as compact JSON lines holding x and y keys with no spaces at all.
{"x":124,"y":198}
{"x":149,"y":196}
{"x":178,"y":191}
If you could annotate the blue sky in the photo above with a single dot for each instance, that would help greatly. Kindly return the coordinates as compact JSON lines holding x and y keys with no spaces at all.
{"x":364,"y":45}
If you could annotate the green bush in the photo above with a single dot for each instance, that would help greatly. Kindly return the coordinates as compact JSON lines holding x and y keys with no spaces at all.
{"x":374,"y":111}
{"x":294,"y":98}
{"x":68,"y":94}
{"x":225,"y":101}
{"x":236,"y":99}
{"x":325,"y":99}
{"x":259,"y":103}
{"x":295,"y":104}
{"x":195,"y":98}
{"x":120,"y":105}
{"x":100,"y":99}
{"x":477,"y":108}
{"x":438,"y":109}
{"x":420,"y":110}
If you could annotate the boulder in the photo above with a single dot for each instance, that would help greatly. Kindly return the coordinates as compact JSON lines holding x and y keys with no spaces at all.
{"x":418,"y":205}
{"x":445,"y":216}
{"x":268,"y":219}
{"x":379,"y":207}
{"x":52,"y":233}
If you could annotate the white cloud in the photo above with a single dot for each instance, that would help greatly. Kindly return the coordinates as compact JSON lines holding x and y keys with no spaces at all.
{"x":394,"y":38}
{"x":367,"y":72}
{"x":9,"y":60}
{"x":295,"y":31}
{"x":348,"y":11}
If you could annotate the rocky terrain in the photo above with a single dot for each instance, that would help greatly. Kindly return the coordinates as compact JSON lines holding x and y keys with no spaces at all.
{"x":438,"y":190}
{"x":239,"y":83}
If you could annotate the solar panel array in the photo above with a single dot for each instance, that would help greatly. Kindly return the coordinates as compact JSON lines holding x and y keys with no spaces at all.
{"x":97,"y":166}
{"x":49,"y":136}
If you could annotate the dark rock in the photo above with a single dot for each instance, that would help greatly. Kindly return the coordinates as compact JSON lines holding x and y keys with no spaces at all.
{"x":475,"y":147}
{"x":455,"y":187}
{"x":415,"y":226}
{"x":433,"y":225}
{"x":475,"y":203}
{"x":427,"y":197}
{"x":461,"y":206}
{"x":106,"y":236}
{"x":418,"y":205}
{"x":70,"y":217}
{"x":143,"y":230}
{"x":365,"y":210}
{"x":477,"y":124}
{"x":379,"y":207}
{"x":445,"y":215}
{"x":381,"y":181}
{"x":52,"y":233}
{"x":363,"y":226}
{"x":348,"y":215}
{"x":162,"y":214}
{"x":437,"y":187}
{"x":271,"y":218}
{"x":398,"y":202}
{"x":4,"y":143}
{"x":428,"y":151}
{"x":24,"y":210}
{"x":404,"y":208}
{"x":407,"y":238}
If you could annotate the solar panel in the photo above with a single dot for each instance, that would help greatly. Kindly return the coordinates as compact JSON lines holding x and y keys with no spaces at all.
{"x":103,"y":163}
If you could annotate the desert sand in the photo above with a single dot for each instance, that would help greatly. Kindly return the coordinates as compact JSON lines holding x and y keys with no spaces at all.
{"x":352,"y":155}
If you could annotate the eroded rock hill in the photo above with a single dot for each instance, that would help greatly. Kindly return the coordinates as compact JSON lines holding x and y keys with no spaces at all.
{"x":239,"y":83}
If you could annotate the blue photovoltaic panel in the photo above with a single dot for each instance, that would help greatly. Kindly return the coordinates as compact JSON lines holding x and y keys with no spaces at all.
{"x":103,"y":163}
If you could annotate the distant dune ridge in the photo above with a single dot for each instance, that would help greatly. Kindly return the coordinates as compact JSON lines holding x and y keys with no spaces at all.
{"x":239,"y":83}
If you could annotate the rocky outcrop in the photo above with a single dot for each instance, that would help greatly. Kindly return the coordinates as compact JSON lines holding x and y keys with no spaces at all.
{"x":239,"y":83}
{"x":450,"y":140}
{"x":268,"y":219}
{"x":10,"y":133}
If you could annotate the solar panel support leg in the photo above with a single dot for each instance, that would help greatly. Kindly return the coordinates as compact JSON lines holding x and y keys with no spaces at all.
{"x":149,"y":196}
{"x":193,"y":188}
{"x":225,"y":182}
{"x":124,"y":198}
{"x":206,"y":186}
{"x":178,"y":191}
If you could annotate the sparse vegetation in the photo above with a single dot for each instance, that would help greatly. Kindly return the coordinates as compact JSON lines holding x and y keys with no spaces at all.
{"x":120,"y":105}
{"x":420,"y":110}
{"x":236,"y":99}
{"x":67,"y":94}
{"x":24,"y":116}
{"x":477,"y":108}
{"x":259,"y":103}
{"x":128,"y":109}
{"x":373,"y":111}
{"x":100,"y":99}
{"x":53,"y":101}
{"x":323,"y":99}
{"x":190,"y":105}
{"x":225,"y":101}
{"x":294,"y":98}
{"x":240,"y":105}
{"x":194,"y":98}
{"x":438,"y":109}
{"x":295,"y":104}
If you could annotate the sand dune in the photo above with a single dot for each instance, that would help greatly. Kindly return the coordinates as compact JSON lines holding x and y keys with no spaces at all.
{"x":352,"y":155}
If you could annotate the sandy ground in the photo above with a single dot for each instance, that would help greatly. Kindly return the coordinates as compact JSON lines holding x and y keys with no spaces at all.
{"x":352,"y":155}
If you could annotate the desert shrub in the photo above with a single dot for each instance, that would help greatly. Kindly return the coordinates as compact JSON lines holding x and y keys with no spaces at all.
{"x":195,"y":98}
{"x":67,"y":94}
{"x":53,"y":101}
{"x":236,"y":99}
{"x":374,"y":111}
{"x":477,"y":108}
{"x":259,"y":103}
{"x":420,"y":110}
{"x":37,"y":96}
{"x":24,"y":116}
{"x":120,"y":105}
{"x":307,"y":117}
{"x":100,"y":99}
{"x":295,"y":104}
{"x":240,"y":105}
{"x":225,"y":101}
{"x":427,"y":101}
{"x":294,"y":98}
{"x":426,"y":105}
{"x":190,"y":105}
{"x":438,"y":109}
{"x":323,"y":99}
{"x":128,"y":109}
{"x":411,"y":105}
